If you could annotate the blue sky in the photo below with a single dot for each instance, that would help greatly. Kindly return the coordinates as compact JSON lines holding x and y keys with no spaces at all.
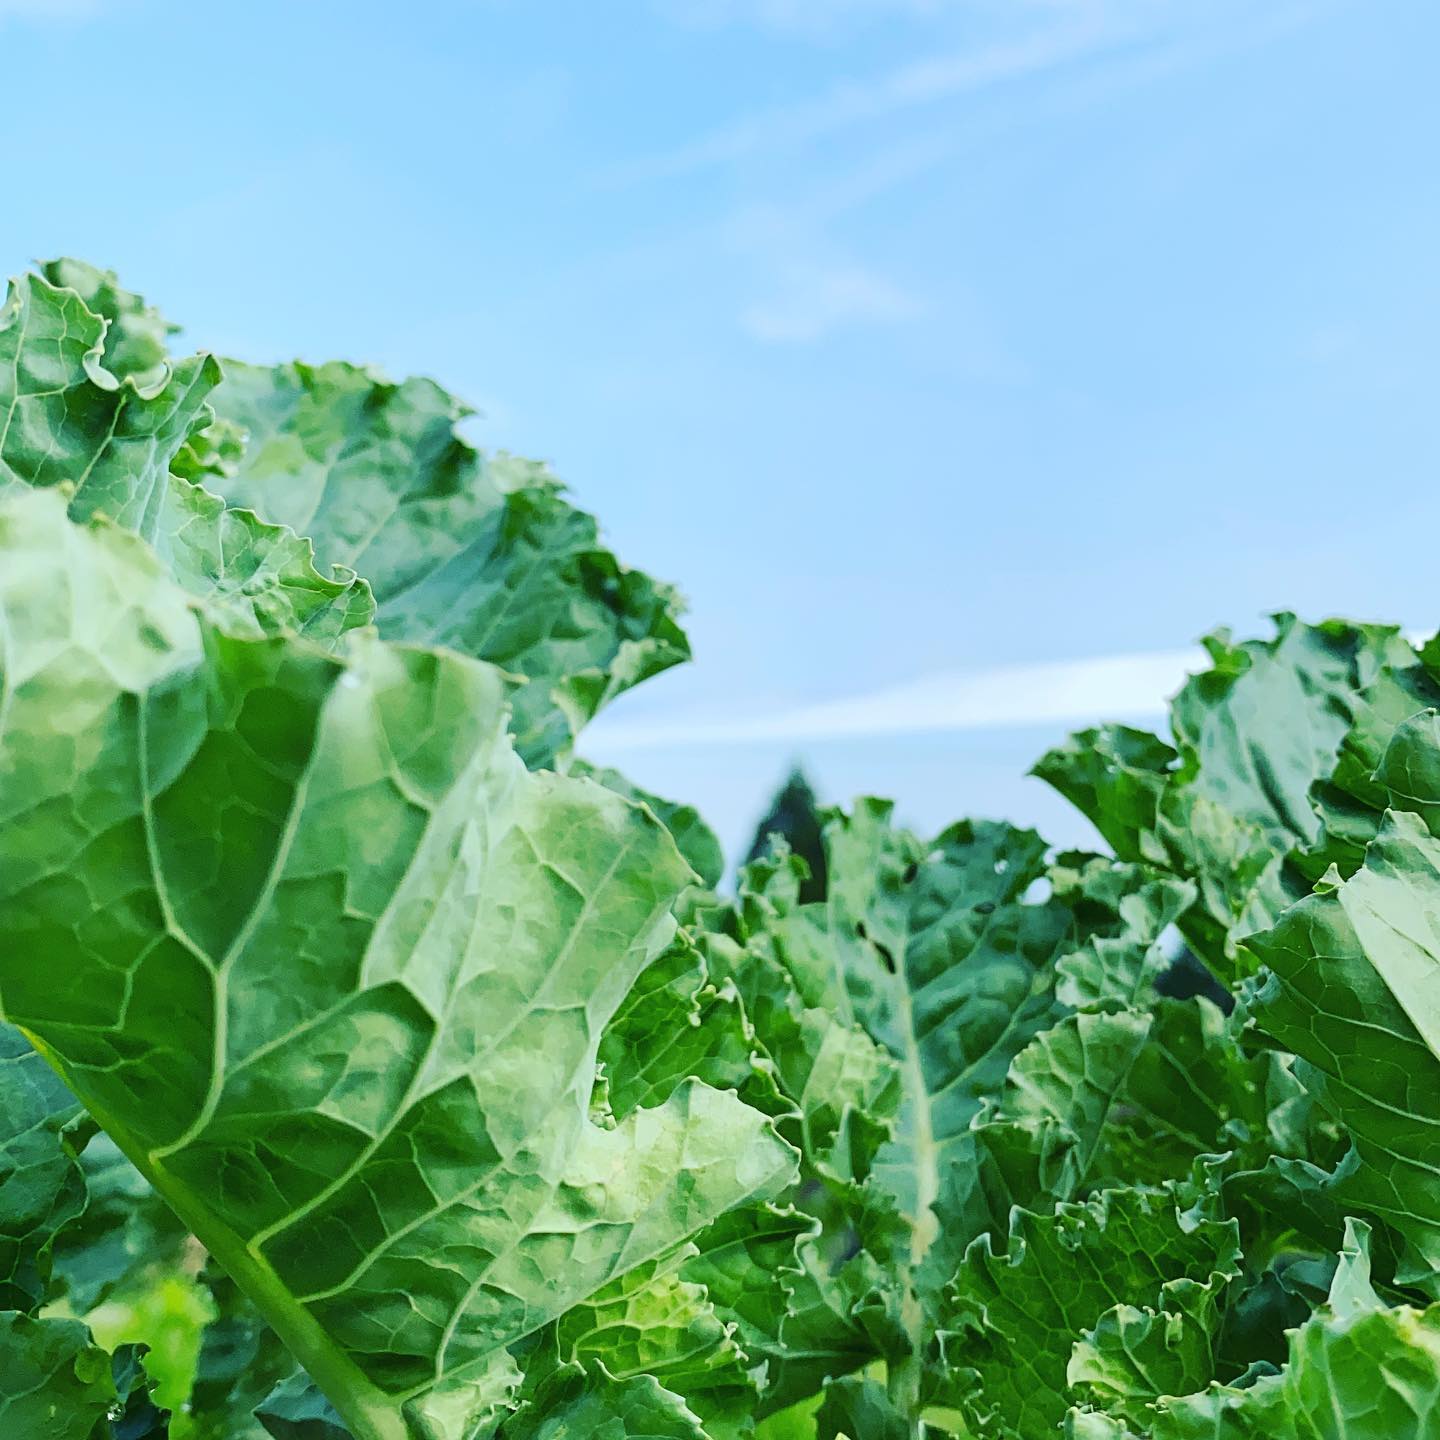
{"x":913,"y":338}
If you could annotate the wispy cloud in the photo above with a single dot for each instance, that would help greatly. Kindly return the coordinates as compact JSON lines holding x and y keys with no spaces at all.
{"x":811,"y":301}
{"x":807,"y":282}
{"x":1073,"y":692}
{"x":1044,"y":37}
{"x":1133,"y":687}
{"x":917,"y":83}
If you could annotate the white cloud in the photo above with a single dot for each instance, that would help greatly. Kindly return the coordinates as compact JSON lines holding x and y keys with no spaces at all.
{"x":813,"y":300}
{"x":1072,"y":692}
{"x":1134,"y":687}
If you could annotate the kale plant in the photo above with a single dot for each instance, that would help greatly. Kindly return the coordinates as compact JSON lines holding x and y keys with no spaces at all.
{"x":430,"y":1061}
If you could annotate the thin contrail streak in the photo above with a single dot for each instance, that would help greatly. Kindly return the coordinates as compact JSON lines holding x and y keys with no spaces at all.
{"x":1071,"y":692}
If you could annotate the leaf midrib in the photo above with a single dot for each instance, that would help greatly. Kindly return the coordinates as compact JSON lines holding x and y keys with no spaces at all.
{"x":369,"y":1413}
